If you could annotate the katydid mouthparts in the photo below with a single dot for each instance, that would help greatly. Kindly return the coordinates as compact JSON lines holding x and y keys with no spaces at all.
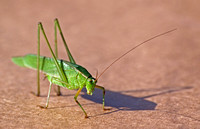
{"x":66,"y":74}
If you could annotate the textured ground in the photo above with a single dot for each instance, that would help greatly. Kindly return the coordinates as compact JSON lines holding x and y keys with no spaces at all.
{"x":156,"y":86}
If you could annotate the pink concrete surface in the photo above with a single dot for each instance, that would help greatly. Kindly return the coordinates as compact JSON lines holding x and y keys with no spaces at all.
{"x":154,"y":87}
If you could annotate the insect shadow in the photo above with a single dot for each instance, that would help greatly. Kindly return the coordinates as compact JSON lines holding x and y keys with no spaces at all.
{"x":121,"y":101}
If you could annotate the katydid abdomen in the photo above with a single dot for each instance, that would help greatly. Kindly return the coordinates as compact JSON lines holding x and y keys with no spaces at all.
{"x":76,"y":75}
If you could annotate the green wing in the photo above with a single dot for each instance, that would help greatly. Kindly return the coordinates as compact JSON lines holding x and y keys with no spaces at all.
{"x":47,"y":65}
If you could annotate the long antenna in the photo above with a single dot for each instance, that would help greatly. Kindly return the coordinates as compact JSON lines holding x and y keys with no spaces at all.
{"x":132,"y":50}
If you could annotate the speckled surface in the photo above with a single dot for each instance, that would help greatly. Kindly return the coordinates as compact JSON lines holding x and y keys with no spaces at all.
{"x":156,"y":86}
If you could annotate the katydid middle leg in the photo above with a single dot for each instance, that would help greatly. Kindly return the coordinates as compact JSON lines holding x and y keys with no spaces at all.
{"x":47,"y":103}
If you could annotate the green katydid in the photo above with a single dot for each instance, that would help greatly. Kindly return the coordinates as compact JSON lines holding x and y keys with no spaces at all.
{"x":63,"y":73}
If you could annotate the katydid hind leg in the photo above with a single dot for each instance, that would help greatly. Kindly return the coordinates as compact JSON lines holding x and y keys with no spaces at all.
{"x":58,"y":67}
{"x":57,"y":25}
{"x":38,"y":64}
{"x":75,"y":98}
{"x":56,"y":54}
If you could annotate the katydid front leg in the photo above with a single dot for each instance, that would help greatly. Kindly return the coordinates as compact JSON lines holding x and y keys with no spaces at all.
{"x":75,"y":98}
{"x":102,"y":88}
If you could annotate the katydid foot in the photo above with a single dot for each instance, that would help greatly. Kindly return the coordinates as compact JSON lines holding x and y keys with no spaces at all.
{"x":106,"y":109}
{"x":35,"y":94}
{"x":42,"y":107}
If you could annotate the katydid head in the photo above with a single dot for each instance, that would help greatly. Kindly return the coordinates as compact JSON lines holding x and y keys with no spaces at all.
{"x":90,"y":85}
